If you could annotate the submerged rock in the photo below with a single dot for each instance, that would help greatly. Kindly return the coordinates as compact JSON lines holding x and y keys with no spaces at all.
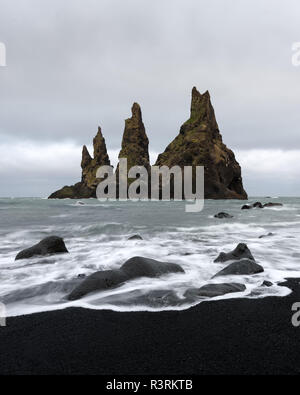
{"x":273,"y":205}
{"x":268,"y":235}
{"x":240,"y":252}
{"x":49,"y":245}
{"x":213,"y":290}
{"x":243,"y":267}
{"x":223,"y":215}
{"x":199,"y":143}
{"x":135,"y":237}
{"x":136,"y":267}
{"x":260,"y":205}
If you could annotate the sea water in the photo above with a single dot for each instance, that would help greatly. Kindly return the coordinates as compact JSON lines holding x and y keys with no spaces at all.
{"x":96,"y":235}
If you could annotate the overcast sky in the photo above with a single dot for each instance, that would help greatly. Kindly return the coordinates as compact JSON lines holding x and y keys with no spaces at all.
{"x":75,"y":64}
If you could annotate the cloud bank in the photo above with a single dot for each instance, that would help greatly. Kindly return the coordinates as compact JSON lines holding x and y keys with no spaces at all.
{"x":73,"y":65}
{"x":34,"y":168}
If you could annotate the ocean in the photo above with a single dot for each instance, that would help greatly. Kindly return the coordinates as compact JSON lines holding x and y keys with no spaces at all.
{"x":96,"y":235}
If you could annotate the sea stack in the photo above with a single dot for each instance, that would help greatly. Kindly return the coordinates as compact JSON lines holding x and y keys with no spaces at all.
{"x":199,"y":143}
{"x":135,"y":143}
{"x":87,"y":187}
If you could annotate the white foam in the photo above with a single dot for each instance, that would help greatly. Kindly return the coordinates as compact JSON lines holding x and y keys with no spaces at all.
{"x":98,"y":240}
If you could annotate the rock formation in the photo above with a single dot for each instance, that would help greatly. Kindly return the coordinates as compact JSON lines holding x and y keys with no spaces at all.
{"x":134,"y":268}
{"x":135,"y":145}
{"x":199,"y":143}
{"x":87,"y":187}
{"x":240,"y":252}
{"x":48,"y":246}
{"x":135,"y":142}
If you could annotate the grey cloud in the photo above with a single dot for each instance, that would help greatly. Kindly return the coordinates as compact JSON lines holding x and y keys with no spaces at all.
{"x":74,"y":64}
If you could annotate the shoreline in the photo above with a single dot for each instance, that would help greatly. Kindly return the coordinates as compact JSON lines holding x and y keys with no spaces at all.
{"x":232,"y":336}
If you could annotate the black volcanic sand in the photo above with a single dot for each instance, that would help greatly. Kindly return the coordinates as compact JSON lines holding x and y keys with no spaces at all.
{"x":238,"y":336}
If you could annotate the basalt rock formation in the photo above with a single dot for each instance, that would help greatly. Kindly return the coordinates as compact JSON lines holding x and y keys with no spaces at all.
{"x":87,"y":187}
{"x":199,"y":143}
{"x":135,"y":145}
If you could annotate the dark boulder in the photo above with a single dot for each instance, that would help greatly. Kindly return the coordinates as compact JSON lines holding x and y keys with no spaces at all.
{"x":136,"y":267}
{"x":258,"y":205}
{"x":213,"y":290}
{"x":223,"y":215}
{"x":246,"y":207}
{"x":240,"y":252}
{"x":135,"y":237}
{"x":243,"y":267}
{"x":145,"y":267}
{"x":49,"y":245}
{"x":267,"y":284}
{"x":99,"y":281}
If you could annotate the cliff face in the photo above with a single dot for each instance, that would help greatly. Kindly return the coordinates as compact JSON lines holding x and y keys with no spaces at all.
{"x":199,"y":143}
{"x":87,"y":187}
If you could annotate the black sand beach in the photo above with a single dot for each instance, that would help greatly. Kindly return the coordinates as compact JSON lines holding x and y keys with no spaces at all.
{"x":226,"y":337}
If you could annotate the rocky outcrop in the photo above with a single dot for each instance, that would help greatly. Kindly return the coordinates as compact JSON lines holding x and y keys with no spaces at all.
{"x":135,"y":146}
{"x":240,"y":252}
{"x":48,"y":246}
{"x":87,"y":187}
{"x":199,"y":143}
{"x":134,"y":268}
{"x":90,"y":166}
{"x":135,"y":143}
